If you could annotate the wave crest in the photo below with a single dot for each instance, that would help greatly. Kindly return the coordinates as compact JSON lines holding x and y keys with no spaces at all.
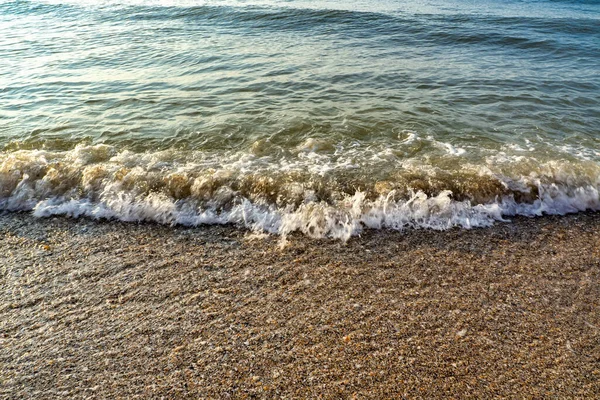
{"x":101,"y":182}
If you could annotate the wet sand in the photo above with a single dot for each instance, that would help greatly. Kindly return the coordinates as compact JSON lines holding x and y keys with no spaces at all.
{"x":114,"y":310}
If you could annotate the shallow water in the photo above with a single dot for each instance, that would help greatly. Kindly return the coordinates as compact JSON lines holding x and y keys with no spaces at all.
{"x":324,"y":117}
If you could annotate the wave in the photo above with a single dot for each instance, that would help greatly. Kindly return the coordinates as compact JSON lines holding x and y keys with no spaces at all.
{"x":378,"y":18}
{"x":562,"y":39}
{"x":308,"y":195}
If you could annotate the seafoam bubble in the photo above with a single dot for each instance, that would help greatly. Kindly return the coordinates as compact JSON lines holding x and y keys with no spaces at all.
{"x":449,"y":148}
{"x":317,"y":196}
{"x":313,"y":145}
{"x":408,"y":137}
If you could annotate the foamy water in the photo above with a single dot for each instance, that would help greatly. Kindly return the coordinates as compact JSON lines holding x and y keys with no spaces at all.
{"x":326,"y":118}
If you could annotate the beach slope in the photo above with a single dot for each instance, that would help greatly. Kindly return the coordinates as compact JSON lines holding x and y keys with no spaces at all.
{"x":116,"y":310}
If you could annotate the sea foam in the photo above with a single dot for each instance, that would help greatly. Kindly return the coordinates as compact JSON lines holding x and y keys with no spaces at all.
{"x":304,"y":194}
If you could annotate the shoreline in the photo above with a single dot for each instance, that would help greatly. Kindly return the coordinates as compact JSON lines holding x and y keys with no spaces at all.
{"x":109,"y":309}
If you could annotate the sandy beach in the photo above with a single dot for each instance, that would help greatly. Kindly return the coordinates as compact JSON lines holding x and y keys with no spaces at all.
{"x":113,"y":310}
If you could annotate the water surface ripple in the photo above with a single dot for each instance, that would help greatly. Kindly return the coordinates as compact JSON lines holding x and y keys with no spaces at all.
{"x":324,"y":117}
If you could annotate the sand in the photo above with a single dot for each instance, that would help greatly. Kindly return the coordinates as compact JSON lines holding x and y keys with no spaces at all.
{"x":114,"y":310}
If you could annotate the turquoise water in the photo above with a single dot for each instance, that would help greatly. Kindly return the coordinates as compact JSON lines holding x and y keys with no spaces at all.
{"x":324,"y":117}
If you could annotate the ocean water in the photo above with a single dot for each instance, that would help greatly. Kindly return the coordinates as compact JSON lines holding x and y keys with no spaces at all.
{"x":324,"y":117}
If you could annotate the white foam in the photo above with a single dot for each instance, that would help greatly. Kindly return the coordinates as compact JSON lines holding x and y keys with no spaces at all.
{"x":449,"y":148}
{"x":318,"y":219}
{"x":99,"y":182}
{"x":408,"y":137}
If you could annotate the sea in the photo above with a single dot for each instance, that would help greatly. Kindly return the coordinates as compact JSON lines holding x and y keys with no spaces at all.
{"x":324,"y":117}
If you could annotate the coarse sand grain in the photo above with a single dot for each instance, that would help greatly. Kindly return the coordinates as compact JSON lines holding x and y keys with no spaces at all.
{"x":105,"y":310}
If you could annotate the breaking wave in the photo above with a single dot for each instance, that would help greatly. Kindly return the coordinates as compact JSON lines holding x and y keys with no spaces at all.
{"x":309,"y":193}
